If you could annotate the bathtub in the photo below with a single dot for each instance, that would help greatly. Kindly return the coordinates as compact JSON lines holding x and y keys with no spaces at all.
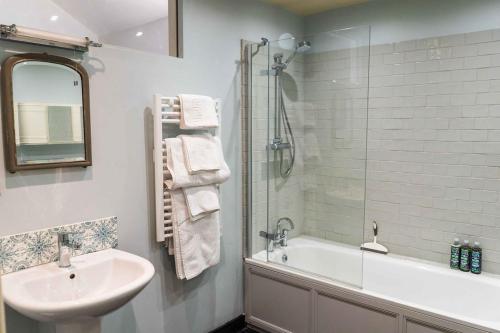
{"x":431,"y":287}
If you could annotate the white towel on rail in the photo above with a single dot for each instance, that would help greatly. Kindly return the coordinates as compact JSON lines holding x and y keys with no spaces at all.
{"x":175,"y":249}
{"x":197,"y":112}
{"x":201,"y":152}
{"x":180,"y":176}
{"x":196,"y":244}
{"x":201,"y":201}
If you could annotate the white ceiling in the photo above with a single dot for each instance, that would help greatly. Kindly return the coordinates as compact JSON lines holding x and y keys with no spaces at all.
{"x":308,"y":7}
{"x":107,"y":16}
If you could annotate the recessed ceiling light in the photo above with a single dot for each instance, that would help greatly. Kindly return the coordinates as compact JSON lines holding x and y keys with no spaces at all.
{"x":54,"y":18}
{"x":139,"y":33}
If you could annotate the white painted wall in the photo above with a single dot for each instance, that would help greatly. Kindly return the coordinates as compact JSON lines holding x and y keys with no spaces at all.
{"x":120,"y":181}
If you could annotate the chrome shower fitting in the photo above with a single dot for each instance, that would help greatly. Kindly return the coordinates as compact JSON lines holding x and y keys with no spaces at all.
{"x":280,"y":144}
{"x":264,"y":42}
{"x":279,"y":237}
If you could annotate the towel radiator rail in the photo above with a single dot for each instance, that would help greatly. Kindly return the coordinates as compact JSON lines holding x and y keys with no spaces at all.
{"x":167,"y":112}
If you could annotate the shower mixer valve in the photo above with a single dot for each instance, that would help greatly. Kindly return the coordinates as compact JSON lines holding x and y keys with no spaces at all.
{"x":279,"y":237}
{"x":278,"y":144}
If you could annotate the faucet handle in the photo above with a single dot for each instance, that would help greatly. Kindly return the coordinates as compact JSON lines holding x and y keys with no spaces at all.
{"x":267,"y":235}
{"x":63,"y":238}
{"x":66,"y":232}
{"x":63,"y":233}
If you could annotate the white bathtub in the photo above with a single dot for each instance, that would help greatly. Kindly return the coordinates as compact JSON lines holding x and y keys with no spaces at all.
{"x":429,"y":286}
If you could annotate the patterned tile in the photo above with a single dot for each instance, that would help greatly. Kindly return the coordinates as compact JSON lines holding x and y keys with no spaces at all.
{"x":39,"y":247}
{"x":103,"y":235}
{"x":11,"y":252}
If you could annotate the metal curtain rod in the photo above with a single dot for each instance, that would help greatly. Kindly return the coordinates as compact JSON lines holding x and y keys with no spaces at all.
{"x":34,"y":36}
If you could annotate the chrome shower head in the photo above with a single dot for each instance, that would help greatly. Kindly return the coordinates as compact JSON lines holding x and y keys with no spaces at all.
{"x":303,"y":46}
{"x":280,"y":65}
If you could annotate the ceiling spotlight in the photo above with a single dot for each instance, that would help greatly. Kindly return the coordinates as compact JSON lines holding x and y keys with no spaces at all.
{"x":139,"y":33}
{"x":54,"y":18}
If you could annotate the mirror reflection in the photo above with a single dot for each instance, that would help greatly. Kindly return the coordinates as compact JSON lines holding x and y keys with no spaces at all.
{"x":141,"y":25}
{"x":48,"y":113}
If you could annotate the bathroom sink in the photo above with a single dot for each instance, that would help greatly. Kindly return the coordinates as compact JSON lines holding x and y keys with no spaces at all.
{"x":96,"y":284}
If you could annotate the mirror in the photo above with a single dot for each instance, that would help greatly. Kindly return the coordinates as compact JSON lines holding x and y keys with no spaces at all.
{"x":45,"y":109}
{"x":145,"y":25}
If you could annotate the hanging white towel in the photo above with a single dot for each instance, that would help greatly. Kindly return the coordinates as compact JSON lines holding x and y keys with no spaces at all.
{"x":201,"y":152}
{"x":176,"y":246}
{"x":180,"y":176}
{"x":197,"y":112}
{"x":201,"y":201}
{"x":196,"y":244}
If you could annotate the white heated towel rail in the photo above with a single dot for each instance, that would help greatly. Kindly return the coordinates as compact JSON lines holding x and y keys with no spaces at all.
{"x":166,"y":111}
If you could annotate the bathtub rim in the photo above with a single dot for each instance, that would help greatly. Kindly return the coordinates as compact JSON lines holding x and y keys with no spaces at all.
{"x":346,"y":291}
{"x":488,"y":277}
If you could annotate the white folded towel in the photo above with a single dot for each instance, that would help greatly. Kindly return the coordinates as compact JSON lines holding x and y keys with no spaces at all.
{"x":201,"y":152}
{"x":180,"y":176}
{"x":197,"y":112}
{"x":196,"y":244}
{"x":201,"y":201}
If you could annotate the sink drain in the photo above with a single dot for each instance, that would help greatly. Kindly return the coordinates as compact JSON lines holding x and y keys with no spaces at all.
{"x":72,"y":276}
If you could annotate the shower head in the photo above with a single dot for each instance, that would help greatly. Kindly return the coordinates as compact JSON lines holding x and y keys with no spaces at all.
{"x":279,"y":65}
{"x":303,"y":46}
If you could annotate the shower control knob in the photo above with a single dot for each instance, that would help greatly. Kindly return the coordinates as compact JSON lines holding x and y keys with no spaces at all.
{"x":277,"y":144}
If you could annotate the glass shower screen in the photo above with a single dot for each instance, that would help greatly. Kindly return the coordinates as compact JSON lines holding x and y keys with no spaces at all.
{"x":308,"y":100}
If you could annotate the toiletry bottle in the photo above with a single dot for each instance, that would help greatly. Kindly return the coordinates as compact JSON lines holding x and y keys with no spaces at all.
{"x":476,"y":258}
{"x":455,"y":254}
{"x":465,"y":251}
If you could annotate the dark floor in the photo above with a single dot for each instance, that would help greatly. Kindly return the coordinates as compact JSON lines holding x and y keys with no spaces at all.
{"x":237,"y":325}
{"x":247,"y":330}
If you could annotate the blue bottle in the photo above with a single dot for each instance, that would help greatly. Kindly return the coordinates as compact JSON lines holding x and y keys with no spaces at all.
{"x":465,"y":254}
{"x":476,"y":258}
{"x":455,"y":254}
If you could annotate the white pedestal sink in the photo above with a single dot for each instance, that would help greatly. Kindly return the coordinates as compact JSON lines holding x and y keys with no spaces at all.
{"x":75,"y":298}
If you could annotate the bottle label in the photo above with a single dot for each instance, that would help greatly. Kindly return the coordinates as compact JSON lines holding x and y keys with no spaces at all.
{"x":464,"y":259}
{"x":475,"y":262}
{"x":455,"y":257}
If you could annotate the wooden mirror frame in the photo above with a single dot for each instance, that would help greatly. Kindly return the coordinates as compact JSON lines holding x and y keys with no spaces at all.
{"x":9,"y":135}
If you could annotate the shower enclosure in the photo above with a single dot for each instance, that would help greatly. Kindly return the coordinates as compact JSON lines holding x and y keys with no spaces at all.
{"x":306,"y":148}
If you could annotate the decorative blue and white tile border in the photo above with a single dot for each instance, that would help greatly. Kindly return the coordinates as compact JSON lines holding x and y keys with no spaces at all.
{"x":40,"y":246}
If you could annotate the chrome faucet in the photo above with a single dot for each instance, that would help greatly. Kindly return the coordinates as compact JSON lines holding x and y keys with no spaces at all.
{"x":280,"y":236}
{"x":65,"y":246}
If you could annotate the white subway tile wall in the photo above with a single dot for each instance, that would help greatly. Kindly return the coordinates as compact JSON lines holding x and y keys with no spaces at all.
{"x":434,"y":145}
{"x":336,"y":95}
{"x":433,"y":151}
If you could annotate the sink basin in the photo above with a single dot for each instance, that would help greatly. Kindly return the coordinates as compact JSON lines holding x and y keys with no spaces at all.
{"x":96,"y":284}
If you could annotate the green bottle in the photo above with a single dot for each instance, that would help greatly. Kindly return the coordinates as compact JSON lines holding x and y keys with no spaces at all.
{"x":455,"y":254}
{"x":476,"y":258}
{"x":465,"y":253}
